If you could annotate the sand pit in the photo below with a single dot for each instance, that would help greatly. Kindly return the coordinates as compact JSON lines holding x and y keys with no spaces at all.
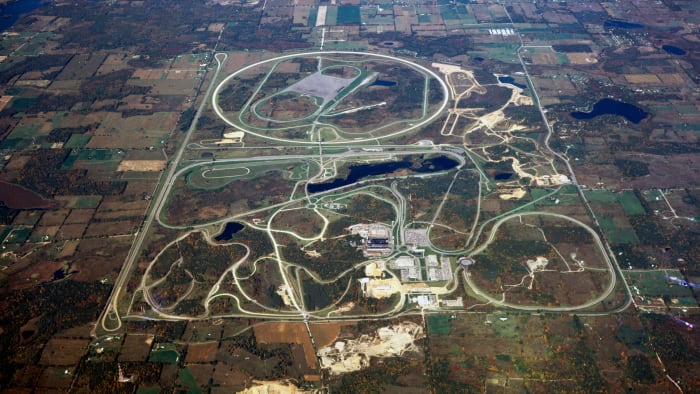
{"x":141,"y":165}
{"x":355,"y":354}
{"x":515,"y":194}
{"x":272,"y":387}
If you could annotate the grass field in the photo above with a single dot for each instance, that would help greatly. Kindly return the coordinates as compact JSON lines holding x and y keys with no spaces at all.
{"x":77,"y":141}
{"x":603,"y":196}
{"x":630,"y":203}
{"x":348,"y":14}
{"x":439,"y":324}
{"x":566,"y":195}
{"x":449,"y":13}
{"x":616,"y":235}
{"x":188,"y":381}
{"x":18,"y":236}
{"x":164,"y":353}
{"x":81,"y":202}
{"x":148,"y":390}
{"x":504,"y":325}
{"x":627,"y":199}
{"x":656,"y":284}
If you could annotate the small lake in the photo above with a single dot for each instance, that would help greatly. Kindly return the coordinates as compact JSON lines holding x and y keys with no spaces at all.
{"x":608,"y":106}
{"x":511,"y":80}
{"x":382,"y":82}
{"x":361,"y":171}
{"x":621,"y":24}
{"x":230,"y":229}
{"x":59,"y":274}
{"x":10,"y":13}
{"x":503,"y":176}
{"x":673,"y":50}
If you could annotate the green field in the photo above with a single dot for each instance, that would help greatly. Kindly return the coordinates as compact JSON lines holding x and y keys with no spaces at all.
{"x":616,"y":235}
{"x":439,"y":324}
{"x":566,"y":195}
{"x":504,"y":325}
{"x":313,"y":15}
{"x":85,"y":202}
{"x":627,"y":199}
{"x":348,"y":14}
{"x":18,"y":236}
{"x":4,"y":232}
{"x":24,"y":131}
{"x":148,"y":390}
{"x":164,"y":353}
{"x":630,"y":203}
{"x":331,"y":16}
{"x":23,"y":103}
{"x":187,"y":379}
{"x":77,"y":141}
{"x":656,"y":284}
{"x":602,"y":196}
{"x":449,"y":13}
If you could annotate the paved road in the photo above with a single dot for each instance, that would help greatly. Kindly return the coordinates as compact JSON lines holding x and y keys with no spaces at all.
{"x":415,"y":126}
{"x":501,"y":302}
{"x":110,"y":320}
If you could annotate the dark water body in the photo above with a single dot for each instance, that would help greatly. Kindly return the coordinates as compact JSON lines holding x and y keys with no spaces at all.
{"x":608,"y":106}
{"x":478,"y":59}
{"x":10,"y":13}
{"x":622,"y":25}
{"x":511,"y":81}
{"x":673,"y":50}
{"x":230,"y":229}
{"x":503,"y":176}
{"x":59,"y":274}
{"x":382,"y":82}
{"x":361,"y":171}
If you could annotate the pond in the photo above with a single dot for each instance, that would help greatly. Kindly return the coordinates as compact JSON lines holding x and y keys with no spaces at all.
{"x":673,"y":50}
{"x":10,"y":12}
{"x":622,"y":24}
{"x":608,"y":106}
{"x":230,"y":229}
{"x":511,"y":80}
{"x":358,"y":172}
{"x":503,"y":176}
{"x":382,"y":82}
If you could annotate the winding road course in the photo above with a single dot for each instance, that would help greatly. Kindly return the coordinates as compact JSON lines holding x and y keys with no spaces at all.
{"x":413,"y":126}
{"x":501,"y":302}
{"x":110,"y":320}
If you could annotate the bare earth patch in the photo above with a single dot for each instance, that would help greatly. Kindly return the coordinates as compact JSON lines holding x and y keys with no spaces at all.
{"x":355,"y":354}
{"x":141,"y":165}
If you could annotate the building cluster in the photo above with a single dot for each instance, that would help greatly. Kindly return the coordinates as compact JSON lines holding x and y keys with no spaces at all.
{"x":377,"y":240}
{"x":416,"y":237}
{"x":409,"y":267}
{"x":435,"y":271}
{"x":502,"y":32}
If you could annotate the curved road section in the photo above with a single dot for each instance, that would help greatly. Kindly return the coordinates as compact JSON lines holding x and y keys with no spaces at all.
{"x":599,"y":243}
{"x":110,"y":320}
{"x":412,"y":126}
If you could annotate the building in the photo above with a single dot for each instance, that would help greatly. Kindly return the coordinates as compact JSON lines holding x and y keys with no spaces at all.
{"x":377,"y":239}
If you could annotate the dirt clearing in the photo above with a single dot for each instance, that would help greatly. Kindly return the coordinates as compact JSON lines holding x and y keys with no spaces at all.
{"x":141,"y":165}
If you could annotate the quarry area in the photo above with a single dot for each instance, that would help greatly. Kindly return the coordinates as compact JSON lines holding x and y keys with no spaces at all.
{"x":355,"y":354}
